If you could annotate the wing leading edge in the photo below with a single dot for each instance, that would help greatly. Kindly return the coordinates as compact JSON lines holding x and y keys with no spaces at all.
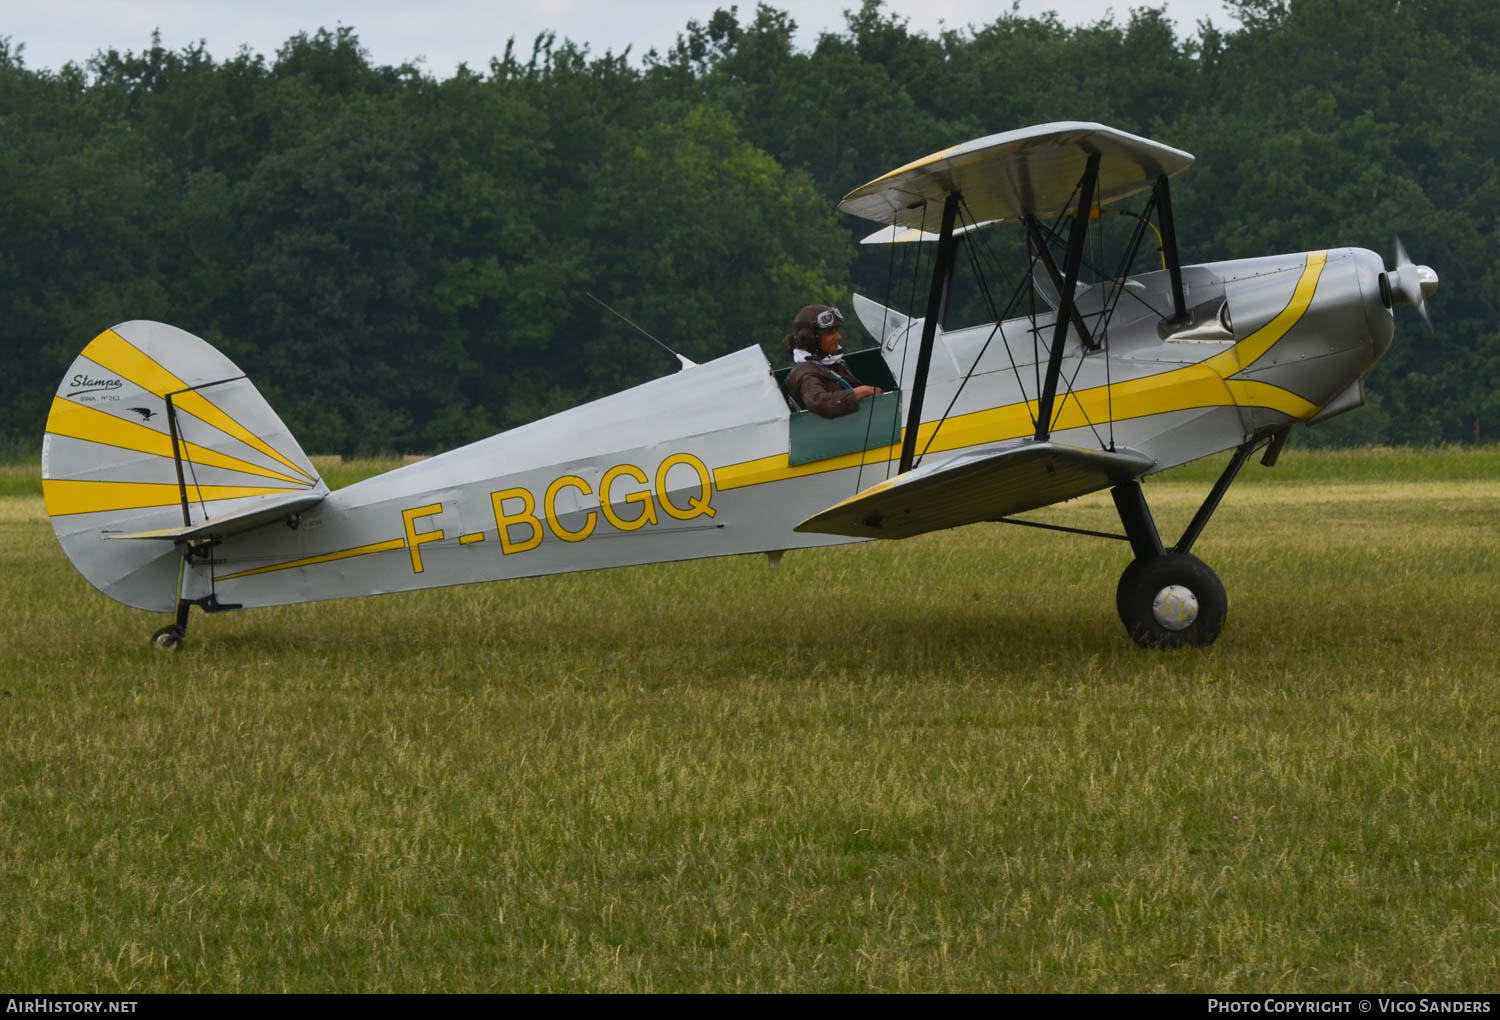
{"x":1032,"y":171}
{"x":979,"y":486}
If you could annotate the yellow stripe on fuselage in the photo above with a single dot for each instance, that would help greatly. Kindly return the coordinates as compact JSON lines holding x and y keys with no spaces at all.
{"x":1207,"y":384}
{"x":112,"y":351}
{"x":1249,"y":350}
{"x":342,"y":554}
{"x":71,"y":496}
{"x":1250,"y":393}
{"x":80,"y":421}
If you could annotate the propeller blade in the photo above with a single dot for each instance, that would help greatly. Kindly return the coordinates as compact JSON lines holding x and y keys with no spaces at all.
{"x":1412,"y":284}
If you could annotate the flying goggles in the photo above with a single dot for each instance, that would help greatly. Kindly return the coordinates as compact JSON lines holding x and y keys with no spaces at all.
{"x":829,"y":318}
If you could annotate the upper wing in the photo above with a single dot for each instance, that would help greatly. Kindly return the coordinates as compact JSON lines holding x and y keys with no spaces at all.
{"x":1032,"y":171}
{"x":979,"y":486}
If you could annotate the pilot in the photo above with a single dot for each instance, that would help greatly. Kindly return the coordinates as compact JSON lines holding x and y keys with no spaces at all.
{"x":819,"y":378}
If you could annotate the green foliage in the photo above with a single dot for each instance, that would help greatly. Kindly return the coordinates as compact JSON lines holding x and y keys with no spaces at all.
{"x":402,"y":263}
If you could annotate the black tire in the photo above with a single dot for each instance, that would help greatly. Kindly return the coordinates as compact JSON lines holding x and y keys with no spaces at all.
{"x":168,"y":639}
{"x":1144,"y":580}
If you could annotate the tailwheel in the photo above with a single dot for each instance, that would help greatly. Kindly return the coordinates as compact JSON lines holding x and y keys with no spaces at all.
{"x":169,"y":638}
{"x":1171,"y":601}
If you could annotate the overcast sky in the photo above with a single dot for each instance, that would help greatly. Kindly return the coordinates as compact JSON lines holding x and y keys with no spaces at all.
{"x":447,"y":32}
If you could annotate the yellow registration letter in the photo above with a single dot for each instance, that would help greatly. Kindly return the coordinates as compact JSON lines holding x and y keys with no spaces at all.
{"x":527,"y":516}
{"x":698,"y":505}
{"x":549,"y":504}
{"x":415,"y":541}
{"x":648,"y":514}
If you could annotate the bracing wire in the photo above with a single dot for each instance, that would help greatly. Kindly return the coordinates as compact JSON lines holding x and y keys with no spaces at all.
{"x":971,"y":249}
{"x":1121,"y":274}
{"x":1099,"y":271}
{"x":1105,"y":315}
{"x":982,"y":246}
{"x":193,"y":470}
{"x":1057,"y":415}
{"x":1085,"y":208}
{"x":911,"y":302}
{"x":885,"y":326}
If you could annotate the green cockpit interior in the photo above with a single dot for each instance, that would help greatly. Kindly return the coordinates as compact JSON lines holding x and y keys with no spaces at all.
{"x":877,"y":422}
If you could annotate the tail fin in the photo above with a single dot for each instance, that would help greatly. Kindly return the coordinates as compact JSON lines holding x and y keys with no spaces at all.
{"x":152,"y":430}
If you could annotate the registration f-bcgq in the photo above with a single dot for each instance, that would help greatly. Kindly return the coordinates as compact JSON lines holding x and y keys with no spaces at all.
{"x":171,"y":483}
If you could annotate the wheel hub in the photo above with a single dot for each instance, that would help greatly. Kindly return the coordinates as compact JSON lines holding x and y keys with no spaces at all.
{"x":1175,"y":607}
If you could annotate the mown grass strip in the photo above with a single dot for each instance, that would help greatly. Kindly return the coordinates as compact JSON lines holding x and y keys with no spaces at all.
{"x":926,"y":765}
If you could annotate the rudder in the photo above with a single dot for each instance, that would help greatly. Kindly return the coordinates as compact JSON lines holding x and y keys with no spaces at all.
{"x":153,"y":429}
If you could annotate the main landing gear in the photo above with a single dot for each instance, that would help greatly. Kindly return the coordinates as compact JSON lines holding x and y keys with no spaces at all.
{"x":1169,"y":598}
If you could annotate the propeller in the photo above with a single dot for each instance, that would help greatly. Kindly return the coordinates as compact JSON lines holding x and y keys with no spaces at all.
{"x":1412,"y":284}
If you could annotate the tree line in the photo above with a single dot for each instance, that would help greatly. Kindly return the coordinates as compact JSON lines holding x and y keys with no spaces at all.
{"x":403,"y":263}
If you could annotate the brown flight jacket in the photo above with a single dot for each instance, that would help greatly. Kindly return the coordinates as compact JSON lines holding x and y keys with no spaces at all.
{"x":825,"y":389}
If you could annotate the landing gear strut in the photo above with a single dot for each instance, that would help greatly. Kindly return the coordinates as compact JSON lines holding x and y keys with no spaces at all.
{"x":1169,"y":598}
{"x":171,"y":637}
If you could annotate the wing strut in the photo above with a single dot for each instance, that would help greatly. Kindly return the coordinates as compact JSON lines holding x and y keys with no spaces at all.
{"x":937,"y":305}
{"x":1071,"y":264}
{"x":172,"y":430}
{"x":1039,"y":245}
{"x":1162,"y":195}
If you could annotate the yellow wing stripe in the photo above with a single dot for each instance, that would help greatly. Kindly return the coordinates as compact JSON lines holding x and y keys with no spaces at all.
{"x":71,"y":496}
{"x":112,"y":351}
{"x":916,"y":164}
{"x":79,"y":421}
{"x":342,"y":554}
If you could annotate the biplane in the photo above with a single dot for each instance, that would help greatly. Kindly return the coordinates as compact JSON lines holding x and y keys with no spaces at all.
{"x":171,"y":483}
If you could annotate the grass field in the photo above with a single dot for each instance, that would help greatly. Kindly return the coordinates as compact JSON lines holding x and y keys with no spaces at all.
{"x":933,"y":765}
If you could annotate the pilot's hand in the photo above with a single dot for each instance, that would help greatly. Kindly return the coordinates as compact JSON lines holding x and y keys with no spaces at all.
{"x":861,"y":392}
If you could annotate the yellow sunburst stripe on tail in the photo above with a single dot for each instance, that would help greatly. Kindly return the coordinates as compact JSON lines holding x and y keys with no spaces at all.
{"x":342,"y":554}
{"x":114,"y":352}
{"x":71,"y":496}
{"x":79,"y":421}
{"x":198,"y":406}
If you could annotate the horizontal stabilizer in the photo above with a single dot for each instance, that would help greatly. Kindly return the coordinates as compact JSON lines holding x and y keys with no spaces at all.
{"x":980,"y":486}
{"x":252,"y":513}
